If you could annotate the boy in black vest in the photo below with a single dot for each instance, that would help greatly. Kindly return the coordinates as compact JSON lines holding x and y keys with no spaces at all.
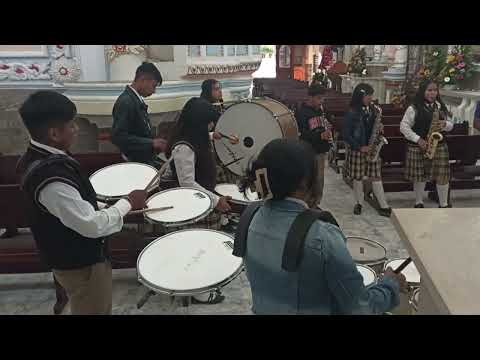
{"x":67,"y":225}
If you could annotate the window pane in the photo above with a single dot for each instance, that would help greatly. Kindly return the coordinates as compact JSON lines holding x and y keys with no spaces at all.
{"x":255,"y":49}
{"x":231,"y":50}
{"x":194,"y":50}
{"x":242,"y":50}
{"x":214,"y":50}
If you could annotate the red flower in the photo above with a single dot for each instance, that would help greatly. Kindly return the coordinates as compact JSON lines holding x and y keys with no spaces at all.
{"x":460,"y":77}
{"x":60,"y":47}
{"x":4,"y":67}
{"x":19,"y":71}
{"x":120,"y":48}
{"x":63,"y":71}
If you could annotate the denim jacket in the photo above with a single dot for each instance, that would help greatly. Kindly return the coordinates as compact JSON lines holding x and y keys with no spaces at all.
{"x":327,"y":280}
{"x":356,"y":131}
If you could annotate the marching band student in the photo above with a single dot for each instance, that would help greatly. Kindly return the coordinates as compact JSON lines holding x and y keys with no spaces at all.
{"x":415,"y":126}
{"x":62,"y":209}
{"x":357,"y":130}
{"x":326,"y":280}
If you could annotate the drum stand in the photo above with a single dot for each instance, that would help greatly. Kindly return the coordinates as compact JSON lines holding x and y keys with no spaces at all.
{"x":185,"y":299}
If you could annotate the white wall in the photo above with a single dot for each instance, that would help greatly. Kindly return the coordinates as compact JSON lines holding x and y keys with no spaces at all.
{"x":92,"y":62}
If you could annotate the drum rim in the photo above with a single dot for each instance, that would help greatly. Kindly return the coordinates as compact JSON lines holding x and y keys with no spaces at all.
{"x":189,"y":292}
{"x":372,"y":262}
{"x":375,"y":279}
{"x":411,"y":283}
{"x":103,"y":197}
{"x":180,"y":223}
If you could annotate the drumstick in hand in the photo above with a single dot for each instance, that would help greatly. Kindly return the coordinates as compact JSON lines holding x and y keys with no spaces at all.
{"x":402,"y":266}
{"x":142,"y":211}
{"x":158,"y":174}
{"x":234,"y":139}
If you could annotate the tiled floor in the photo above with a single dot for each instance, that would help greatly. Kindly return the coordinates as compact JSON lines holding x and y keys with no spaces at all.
{"x":34,"y":293}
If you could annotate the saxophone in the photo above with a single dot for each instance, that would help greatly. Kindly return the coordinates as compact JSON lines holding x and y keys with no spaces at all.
{"x":377,"y":140}
{"x":327,"y":126}
{"x":434,"y":136}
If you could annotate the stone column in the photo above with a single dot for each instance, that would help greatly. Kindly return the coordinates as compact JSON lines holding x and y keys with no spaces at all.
{"x":400,"y":61}
{"x":92,"y":62}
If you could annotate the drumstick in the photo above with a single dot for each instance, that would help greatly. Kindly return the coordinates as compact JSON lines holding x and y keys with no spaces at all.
{"x":403,"y":266}
{"x":234,"y":161}
{"x":159,"y":173}
{"x":231,"y":138}
{"x":142,"y":211}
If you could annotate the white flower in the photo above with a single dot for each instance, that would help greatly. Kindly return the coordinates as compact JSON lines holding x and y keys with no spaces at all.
{"x":435,"y":53}
{"x":364,"y":72}
{"x":446,"y":79}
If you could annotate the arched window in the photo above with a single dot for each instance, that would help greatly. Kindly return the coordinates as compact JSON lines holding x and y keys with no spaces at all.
{"x":194,"y":50}
{"x":214,"y":50}
{"x":284,"y":56}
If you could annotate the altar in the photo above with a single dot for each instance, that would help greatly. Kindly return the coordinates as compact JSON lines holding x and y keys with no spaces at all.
{"x":445,"y":246}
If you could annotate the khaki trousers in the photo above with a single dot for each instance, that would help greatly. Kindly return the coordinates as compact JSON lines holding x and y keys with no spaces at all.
{"x":89,"y":289}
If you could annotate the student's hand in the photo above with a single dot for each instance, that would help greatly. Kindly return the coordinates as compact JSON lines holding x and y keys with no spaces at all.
{"x":443,"y":124}
{"x":326,"y":135}
{"x":216,"y":135}
{"x":400,"y":278}
{"x":365,"y":149}
{"x":422,"y":143}
{"x":223,"y":205}
{"x":381,"y":127}
{"x":137,"y":199}
{"x":234,"y":140}
{"x":159,"y":145}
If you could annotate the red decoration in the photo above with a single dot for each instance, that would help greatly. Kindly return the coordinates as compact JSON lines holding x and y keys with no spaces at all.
{"x":120,"y":48}
{"x":35,"y":67}
{"x":63,"y":71}
{"x":4,"y":67}
{"x":60,"y":47}
{"x":19,"y":71}
{"x":327,"y":57}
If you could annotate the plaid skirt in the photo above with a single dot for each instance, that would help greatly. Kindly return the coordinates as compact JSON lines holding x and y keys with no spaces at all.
{"x":420,"y":169}
{"x":357,"y":166}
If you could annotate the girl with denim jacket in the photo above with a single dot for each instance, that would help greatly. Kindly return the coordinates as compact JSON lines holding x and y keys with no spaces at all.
{"x":357,"y":130}
{"x":327,"y":280}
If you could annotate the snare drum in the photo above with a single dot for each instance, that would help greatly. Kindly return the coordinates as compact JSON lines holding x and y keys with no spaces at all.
{"x":118,"y":180}
{"x":239,"y":201}
{"x":188,"y":262}
{"x":367,"y":252}
{"x":189,"y":206}
{"x":256,"y":123}
{"x":415,"y":301}
{"x":368,"y":275}
{"x":411,"y":273}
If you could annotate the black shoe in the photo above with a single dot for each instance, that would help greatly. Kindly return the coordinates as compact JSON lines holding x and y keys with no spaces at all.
{"x":449,"y":206}
{"x":357,"y":209}
{"x":214,"y":298}
{"x":419,"y":206}
{"x":385,"y":212}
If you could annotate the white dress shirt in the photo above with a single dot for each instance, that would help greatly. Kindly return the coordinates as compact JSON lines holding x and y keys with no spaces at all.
{"x":408,"y":122}
{"x":184,"y":158}
{"x":65,"y":202}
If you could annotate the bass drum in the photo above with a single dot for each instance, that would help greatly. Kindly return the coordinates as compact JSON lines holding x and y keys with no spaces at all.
{"x":256,"y":122}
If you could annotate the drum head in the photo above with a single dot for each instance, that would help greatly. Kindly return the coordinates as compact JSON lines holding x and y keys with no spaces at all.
{"x":365,"y":251}
{"x":121,"y":179}
{"x":188,"y":261}
{"x":255,"y":126}
{"x":188,"y":204}
{"x":411,"y":273}
{"x":233,"y":191}
{"x":369,"y":276}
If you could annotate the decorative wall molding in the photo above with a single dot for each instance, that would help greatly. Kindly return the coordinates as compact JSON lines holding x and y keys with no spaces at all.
{"x":65,"y":67}
{"x":17,"y":71}
{"x":119,"y":50}
{"x":203,"y":69}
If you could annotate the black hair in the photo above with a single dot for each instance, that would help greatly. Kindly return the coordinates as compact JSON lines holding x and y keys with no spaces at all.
{"x":46,"y":109}
{"x":192,"y":125}
{"x":207,"y":87}
{"x":360,"y":91}
{"x":316,"y":89}
{"x":419,"y":100}
{"x":289,"y":163}
{"x":150,"y":70}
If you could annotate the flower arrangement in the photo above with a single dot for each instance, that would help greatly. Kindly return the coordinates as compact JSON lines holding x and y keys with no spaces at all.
{"x":320,"y":78}
{"x":458,"y":66}
{"x":358,"y":63}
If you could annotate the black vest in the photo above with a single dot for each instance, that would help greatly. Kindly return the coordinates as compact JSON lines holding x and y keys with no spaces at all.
{"x":205,"y":168}
{"x":60,"y":247}
{"x":423,"y":121}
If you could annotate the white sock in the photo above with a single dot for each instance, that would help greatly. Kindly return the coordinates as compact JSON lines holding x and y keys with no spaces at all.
{"x":358,"y":191}
{"x":419,"y":187}
{"x":442,"y":194}
{"x":377,"y":188}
